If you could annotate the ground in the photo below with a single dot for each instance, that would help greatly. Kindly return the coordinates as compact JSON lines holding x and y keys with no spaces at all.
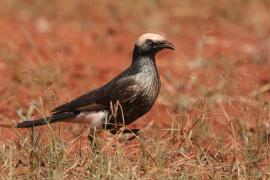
{"x":211,"y":119}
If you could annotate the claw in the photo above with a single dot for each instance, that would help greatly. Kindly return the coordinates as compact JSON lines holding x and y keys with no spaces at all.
{"x":135,"y":132}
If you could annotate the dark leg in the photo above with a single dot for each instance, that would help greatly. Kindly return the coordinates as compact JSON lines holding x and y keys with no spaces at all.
{"x":93,"y":137}
{"x":135,"y":132}
{"x":90,"y":138}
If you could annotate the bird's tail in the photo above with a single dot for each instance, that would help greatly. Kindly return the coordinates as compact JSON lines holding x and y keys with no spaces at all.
{"x":43,"y":121}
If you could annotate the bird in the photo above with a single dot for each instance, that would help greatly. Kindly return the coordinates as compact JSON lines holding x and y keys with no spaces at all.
{"x":123,"y":100}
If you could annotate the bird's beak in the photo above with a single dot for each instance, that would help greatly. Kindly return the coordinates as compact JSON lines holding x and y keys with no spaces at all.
{"x":165,"y":45}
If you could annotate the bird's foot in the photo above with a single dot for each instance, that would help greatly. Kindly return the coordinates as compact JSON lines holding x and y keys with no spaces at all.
{"x":135,"y":133}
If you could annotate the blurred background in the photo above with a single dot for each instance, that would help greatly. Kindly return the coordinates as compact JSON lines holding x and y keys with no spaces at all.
{"x":52,"y":51}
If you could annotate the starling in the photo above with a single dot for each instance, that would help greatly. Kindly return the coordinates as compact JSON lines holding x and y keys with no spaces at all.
{"x":121,"y":101}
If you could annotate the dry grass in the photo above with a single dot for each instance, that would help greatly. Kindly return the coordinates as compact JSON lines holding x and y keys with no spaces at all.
{"x":180,"y":153}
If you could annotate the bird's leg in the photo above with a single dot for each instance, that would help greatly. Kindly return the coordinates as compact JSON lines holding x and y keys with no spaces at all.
{"x":93,"y":137}
{"x":136,"y":132}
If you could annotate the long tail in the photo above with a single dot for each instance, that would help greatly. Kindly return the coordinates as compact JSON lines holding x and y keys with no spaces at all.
{"x":43,"y":121}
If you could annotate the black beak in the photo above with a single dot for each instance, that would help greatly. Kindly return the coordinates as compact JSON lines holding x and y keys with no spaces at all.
{"x":165,"y":45}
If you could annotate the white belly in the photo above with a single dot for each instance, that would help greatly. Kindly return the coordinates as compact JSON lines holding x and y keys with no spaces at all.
{"x":94,"y":119}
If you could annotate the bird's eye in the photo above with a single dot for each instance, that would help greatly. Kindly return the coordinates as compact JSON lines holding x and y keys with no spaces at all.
{"x":149,"y":42}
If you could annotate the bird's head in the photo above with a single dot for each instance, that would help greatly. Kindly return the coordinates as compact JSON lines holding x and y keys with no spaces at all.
{"x":149,"y":44}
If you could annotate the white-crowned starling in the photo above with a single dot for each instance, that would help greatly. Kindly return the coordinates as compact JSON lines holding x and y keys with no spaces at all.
{"x":124,"y":99}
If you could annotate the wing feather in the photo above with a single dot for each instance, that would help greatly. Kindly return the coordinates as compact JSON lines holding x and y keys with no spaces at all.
{"x":122,"y":90}
{"x":92,"y":101}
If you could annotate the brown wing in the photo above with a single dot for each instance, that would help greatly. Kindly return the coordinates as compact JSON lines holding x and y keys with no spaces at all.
{"x":122,"y":90}
{"x":91,"y":101}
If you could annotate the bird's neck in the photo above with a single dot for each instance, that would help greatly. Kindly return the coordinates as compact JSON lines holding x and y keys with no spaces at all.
{"x":144,"y":61}
{"x":147,"y":73}
{"x":145,"y":67}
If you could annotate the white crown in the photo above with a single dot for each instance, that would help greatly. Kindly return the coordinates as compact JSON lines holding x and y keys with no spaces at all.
{"x":154,"y":37}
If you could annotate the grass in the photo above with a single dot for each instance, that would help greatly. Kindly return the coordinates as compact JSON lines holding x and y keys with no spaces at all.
{"x":180,"y":153}
{"x":216,"y":125}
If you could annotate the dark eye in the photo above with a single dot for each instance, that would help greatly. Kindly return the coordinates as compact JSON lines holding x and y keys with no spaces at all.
{"x":149,"y":42}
